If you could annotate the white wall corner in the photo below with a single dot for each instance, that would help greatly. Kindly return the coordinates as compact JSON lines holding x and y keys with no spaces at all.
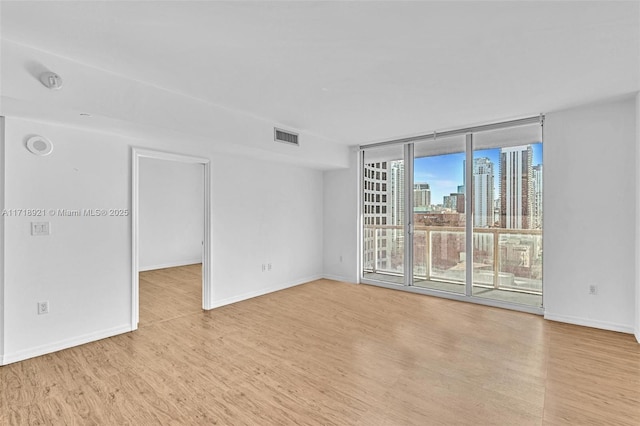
{"x":263,"y":291}
{"x":637,"y":215}
{"x":588,"y":322}
{"x":63,"y":344}
{"x":2,"y":260}
{"x":571,"y":267}
{"x":338,"y":278}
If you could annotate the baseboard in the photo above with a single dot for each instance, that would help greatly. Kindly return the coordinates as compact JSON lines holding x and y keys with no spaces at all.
{"x":63,"y":344}
{"x":262,"y":292}
{"x":337,"y":278}
{"x":637,"y":334}
{"x":587,"y":322}
{"x":169,"y":265}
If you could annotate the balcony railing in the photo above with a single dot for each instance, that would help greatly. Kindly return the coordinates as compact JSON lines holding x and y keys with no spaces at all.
{"x":503,"y":259}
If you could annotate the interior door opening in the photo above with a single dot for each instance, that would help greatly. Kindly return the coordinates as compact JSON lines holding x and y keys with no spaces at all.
{"x":171,"y":235}
{"x":170,"y":221}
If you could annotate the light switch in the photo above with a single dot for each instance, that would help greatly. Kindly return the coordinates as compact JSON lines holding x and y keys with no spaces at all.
{"x":40,"y":228}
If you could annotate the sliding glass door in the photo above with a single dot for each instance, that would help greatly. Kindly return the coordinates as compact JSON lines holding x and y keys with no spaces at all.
{"x":507,"y":203}
{"x":439,"y":237}
{"x":458,"y":216}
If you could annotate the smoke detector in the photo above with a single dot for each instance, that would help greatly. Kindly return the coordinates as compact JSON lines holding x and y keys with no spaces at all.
{"x":51,"y":80}
{"x":39,"y":145}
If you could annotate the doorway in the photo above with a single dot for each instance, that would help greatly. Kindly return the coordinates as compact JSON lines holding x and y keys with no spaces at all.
{"x":166,"y":269}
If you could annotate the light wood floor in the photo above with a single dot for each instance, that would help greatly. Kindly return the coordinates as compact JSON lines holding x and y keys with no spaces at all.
{"x":167,"y":294}
{"x":332,"y":353}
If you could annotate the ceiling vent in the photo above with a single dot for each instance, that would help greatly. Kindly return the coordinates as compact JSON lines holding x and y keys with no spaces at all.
{"x":285,"y":136}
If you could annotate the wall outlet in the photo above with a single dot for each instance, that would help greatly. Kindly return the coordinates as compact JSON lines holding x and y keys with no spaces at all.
{"x":593,"y":289}
{"x":269,"y":266}
{"x":264,"y":267}
{"x":43,"y":307}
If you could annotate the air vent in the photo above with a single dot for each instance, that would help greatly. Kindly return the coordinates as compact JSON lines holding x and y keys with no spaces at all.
{"x":285,"y":136}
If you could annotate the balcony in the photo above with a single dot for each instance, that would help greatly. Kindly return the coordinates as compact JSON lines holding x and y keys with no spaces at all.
{"x":507,"y":263}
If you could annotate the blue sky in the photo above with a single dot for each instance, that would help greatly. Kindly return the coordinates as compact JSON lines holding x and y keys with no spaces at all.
{"x":444,"y":172}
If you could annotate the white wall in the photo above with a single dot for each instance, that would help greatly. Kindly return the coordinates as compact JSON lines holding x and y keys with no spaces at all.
{"x":83,"y":268}
{"x":340,"y":211}
{"x":261,"y":212}
{"x":590,"y":215}
{"x":171,"y":206}
{"x":637,"y":196}
{"x":2,"y":185}
{"x":266,"y":197}
{"x":264,"y":213}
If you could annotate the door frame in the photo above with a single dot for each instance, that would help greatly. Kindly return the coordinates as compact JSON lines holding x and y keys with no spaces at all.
{"x":136,"y":155}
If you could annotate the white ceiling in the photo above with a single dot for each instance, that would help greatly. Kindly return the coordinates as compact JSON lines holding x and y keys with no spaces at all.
{"x":353,"y":72}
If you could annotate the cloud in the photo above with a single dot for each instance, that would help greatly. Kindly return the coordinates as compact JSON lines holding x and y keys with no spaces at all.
{"x":423,"y":176}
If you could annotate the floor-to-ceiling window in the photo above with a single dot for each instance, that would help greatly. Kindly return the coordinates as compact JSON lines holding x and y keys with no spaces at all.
{"x":507,"y":230}
{"x":457,"y":214}
{"x":383,"y":210}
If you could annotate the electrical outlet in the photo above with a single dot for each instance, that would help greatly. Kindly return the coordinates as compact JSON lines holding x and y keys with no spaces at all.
{"x":269,"y":267}
{"x":43,"y":307}
{"x":593,"y":289}
{"x":264,"y":267}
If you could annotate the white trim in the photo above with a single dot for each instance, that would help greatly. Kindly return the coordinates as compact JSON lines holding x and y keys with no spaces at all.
{"x":263,"y":291}
{"x":338,"y":278}
{"x":469,"y":215}
{"x":2,"y":221}
{"x":588,"y":322}
{"x":360,"y":214}
{"x":637,"y":204}
{"x":63,"y":344}
{"x":524,"y":121}
{"x":169,"y":265}
{"x":207,"y":291}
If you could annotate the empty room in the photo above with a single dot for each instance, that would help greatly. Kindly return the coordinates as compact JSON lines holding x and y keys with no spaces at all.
{"x":320,"y":212}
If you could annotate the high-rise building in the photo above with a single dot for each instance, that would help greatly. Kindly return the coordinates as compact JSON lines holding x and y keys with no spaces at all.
{"x":421,"y":196}
{"x":483,"y":181}
{"x":454,"y":201}
{"x":376,"y":253}
{"x":536,"y":182}
{"x":460,"y":202}
{"x":516,"y":195}
{"x":397,"y":192}
{"x":448,"y":202}
{"x":376,"y":194}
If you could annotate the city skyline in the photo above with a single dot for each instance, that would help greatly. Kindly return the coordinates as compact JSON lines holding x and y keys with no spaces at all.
{"x":444,"y":173}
